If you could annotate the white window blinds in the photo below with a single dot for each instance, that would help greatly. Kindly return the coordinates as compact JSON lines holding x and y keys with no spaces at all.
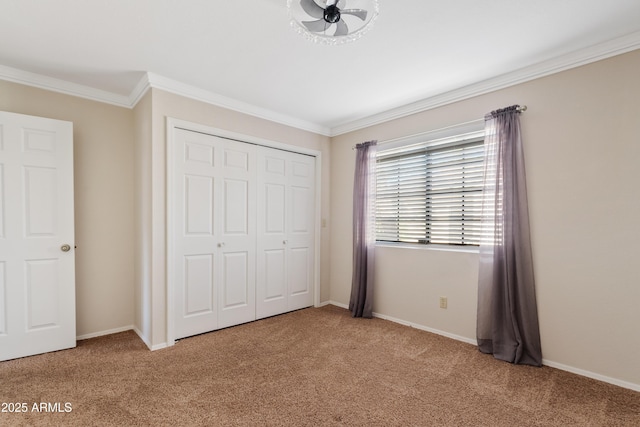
{"x":430,"y":194}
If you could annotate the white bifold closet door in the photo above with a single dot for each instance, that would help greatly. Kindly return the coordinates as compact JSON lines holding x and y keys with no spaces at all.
{"x":243,"y":232}
{"x":286,"y":227}
{"x":214,"y":232}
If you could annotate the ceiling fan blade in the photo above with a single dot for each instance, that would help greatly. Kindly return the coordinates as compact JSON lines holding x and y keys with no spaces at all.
{"x":312,"y":9}
{"x":360,"y":13}
{"x":318,"y":26}
{"x":342,"y":29}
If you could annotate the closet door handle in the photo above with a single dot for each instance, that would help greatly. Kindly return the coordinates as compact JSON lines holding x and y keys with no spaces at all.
{"x":284,"y":242}
{"x":221,"y":245}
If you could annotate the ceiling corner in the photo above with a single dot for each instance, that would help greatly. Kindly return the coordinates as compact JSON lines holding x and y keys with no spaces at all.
{"x":598,"y":52}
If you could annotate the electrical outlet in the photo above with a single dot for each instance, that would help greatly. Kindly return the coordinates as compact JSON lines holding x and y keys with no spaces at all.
{"x":443,"y":302}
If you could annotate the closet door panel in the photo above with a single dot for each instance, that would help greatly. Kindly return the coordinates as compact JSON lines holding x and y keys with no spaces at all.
{"x":271,"y":285}
{"x":237,"y":243}
{"x":301,"y":232}
{"x":214,"y":232}
{"x":195,"y":185}
{"x":274,"y":290}
{"x":199,"y":205}
{"x":198,"y":285}
{"x":298,"y":271}
{"x":235,"y":280}
{"x":274,"y":205}
{"x":274,"y":278}
{"x":301,"y":210}
{"x":285,"y":231}
{"x":236,"y":207}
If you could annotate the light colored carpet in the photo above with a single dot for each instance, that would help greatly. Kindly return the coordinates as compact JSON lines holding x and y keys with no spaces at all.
{"x":310,"y":367}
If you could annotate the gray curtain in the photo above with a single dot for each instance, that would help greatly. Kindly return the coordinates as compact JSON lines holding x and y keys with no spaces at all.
{"x":507,"y":324}
{"x":361,"y":302}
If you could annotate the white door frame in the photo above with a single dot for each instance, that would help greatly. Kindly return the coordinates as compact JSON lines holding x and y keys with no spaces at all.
{"x":172,"y":124}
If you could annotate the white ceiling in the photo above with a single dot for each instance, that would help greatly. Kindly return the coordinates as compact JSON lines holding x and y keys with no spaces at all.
{"x":244,"y":54}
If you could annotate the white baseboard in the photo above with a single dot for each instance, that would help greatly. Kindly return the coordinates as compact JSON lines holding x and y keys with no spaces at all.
{"x":142,"y":337}
{"x":426,"y":328}
{"x":592,"y":375}
{"x":546,"y":362}
{"x":412,"y":325}
{"x":159,"y":346}
{"x":322,"y":304}
{"x":123,"y":329}
{"x":107,"y":332}
{"x":337,"y":304}
{"x":145,"y":340}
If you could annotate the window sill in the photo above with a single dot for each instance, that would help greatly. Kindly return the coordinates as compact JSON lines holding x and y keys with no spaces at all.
{"x":430,"y":247}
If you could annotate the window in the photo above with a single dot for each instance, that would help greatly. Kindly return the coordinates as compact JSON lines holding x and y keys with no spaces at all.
{"x":430,"y":193}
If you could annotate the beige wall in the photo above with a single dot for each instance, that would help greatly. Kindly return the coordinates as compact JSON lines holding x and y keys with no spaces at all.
{"x":165,"y":105}
{"x":103,"y":169}
{"x":582,"y":145}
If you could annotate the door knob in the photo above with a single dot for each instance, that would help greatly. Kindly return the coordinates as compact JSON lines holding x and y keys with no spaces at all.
{"x":65,"y":248}
{"x":284,"y":242}
{"x":221,"y":245}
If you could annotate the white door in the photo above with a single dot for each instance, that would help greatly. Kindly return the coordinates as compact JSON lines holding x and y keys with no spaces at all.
{"x":213,"y":232}
{"x":286,"y":212}
{"x":237,"y":234}
{"x":37,"y":260}
{"x":301,"y":231}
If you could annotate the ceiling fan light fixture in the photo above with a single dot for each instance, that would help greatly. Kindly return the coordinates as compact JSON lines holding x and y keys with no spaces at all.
{"x":332,"y":22}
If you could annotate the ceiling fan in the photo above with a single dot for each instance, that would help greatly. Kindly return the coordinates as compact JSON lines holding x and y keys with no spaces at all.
{"x":330,"y":15}
{"x":329,"y":21}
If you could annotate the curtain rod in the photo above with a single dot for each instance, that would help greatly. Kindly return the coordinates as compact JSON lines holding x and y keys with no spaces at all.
{"x":520,"y":109}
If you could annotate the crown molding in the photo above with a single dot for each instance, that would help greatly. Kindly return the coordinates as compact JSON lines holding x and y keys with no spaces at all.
{"x":148,"y":81}
{"x":574,"y":59}
{"x":163,"y":83}
{"x":62,"y":86}
{"x":139,"y":90}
